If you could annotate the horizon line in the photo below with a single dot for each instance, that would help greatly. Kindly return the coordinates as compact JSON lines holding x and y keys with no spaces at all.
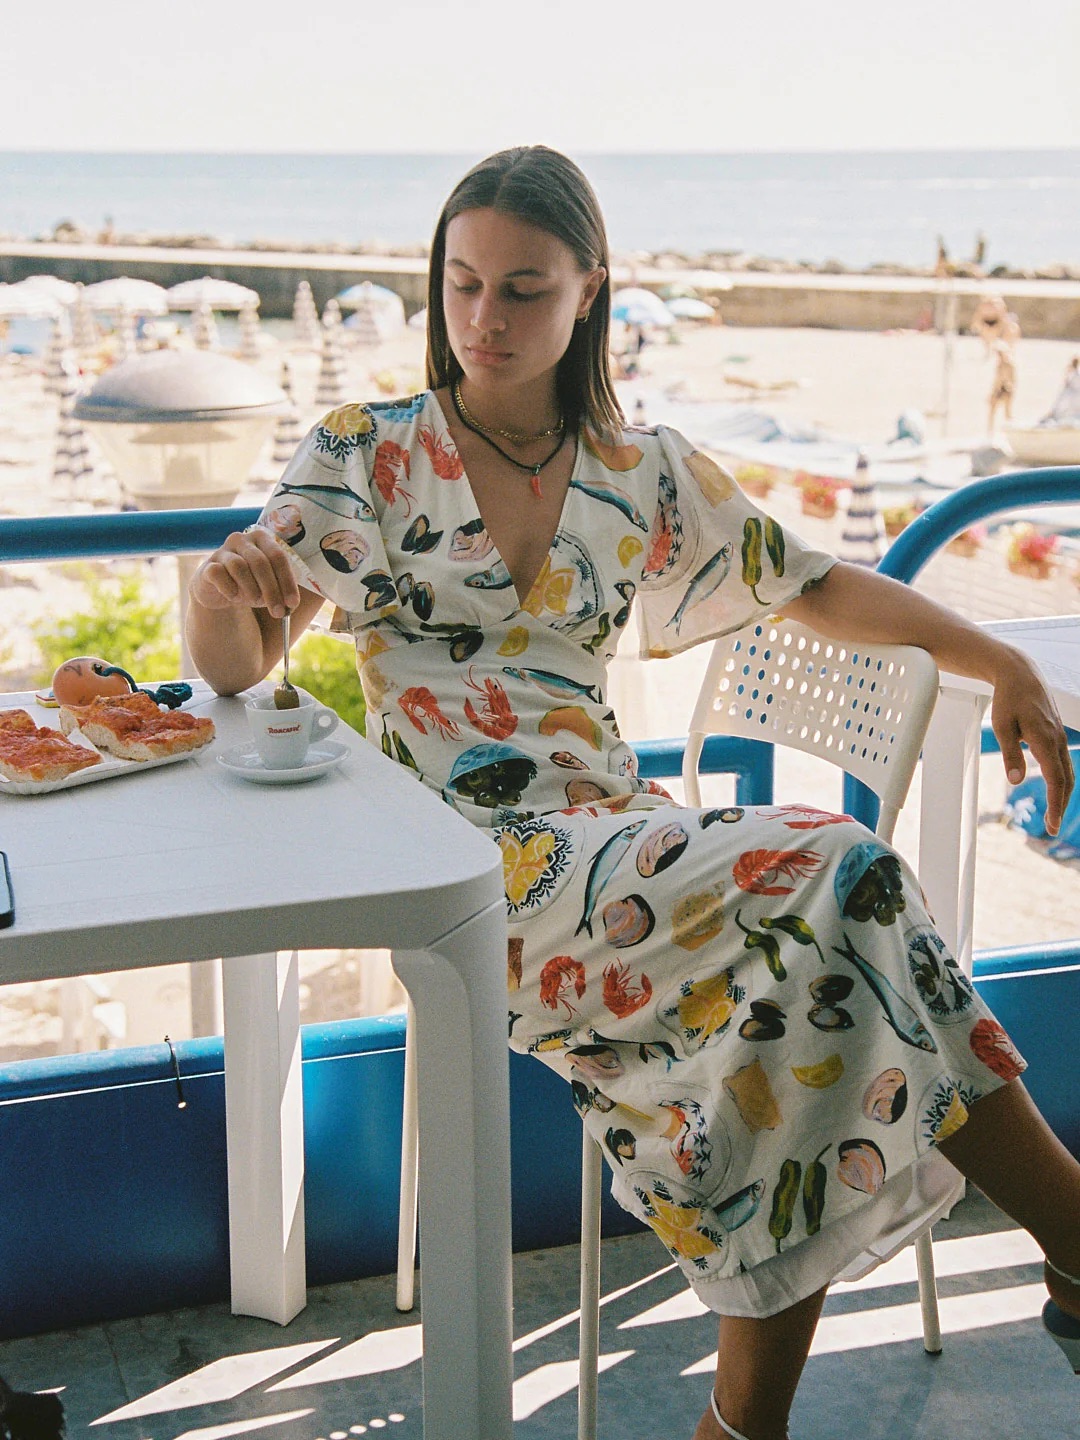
{"x":981,"y":149}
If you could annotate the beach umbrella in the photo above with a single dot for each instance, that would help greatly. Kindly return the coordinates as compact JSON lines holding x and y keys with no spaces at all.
{"x":72,"y":465}
{"x":330,"y":387}
{"x":84,"y":331}
{"x":204,"y":331}
{"x":380,"y":313}
{"x":63,"y":291}
{"x":640,"y":307}
{"x":687,"y":307}
{"x":57,"y":352}
{"x":141,"y":297}
{"x":249,"y":333}
{"x":363,"y":325}
{"x":124,"y":336}
{"x":862,"y":541}
{"x":287,"y":431}
{"x":305,"y":317}
{"x":17,"y":301}
{"x":218,"y":294}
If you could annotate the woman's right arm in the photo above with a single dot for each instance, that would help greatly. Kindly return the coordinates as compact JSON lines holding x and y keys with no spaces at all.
{"x":237,"y":599}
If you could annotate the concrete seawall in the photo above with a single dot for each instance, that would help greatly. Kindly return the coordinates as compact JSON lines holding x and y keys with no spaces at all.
{"x":1046,"y":309}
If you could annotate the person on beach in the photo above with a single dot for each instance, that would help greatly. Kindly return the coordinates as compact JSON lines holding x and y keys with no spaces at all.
{"x":1003,"y":385}
{"x":757,"y":1018}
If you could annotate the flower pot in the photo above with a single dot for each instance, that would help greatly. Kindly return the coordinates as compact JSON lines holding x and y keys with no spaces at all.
{"x":1031,"y":569}
{"x":966,"y":545}
{"x":759,"y":488}
{"x":819,"y":506}
{"x":895,"y":525}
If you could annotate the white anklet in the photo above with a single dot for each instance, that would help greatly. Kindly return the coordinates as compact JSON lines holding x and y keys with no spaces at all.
{"x":727,"y":1429}
{"x":1057,"y":1271}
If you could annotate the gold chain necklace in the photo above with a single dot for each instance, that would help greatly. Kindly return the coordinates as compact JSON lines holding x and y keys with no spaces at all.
{"x":532,"y":470}
{"x":514,"y":435}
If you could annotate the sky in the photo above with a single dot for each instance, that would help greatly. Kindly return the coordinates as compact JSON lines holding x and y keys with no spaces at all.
{"x":475,"y":75}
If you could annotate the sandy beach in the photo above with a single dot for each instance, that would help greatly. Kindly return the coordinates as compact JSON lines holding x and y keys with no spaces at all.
{"x":852,"y":384}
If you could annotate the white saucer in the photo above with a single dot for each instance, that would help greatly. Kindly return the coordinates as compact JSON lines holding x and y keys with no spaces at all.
{"x":244,"y":760}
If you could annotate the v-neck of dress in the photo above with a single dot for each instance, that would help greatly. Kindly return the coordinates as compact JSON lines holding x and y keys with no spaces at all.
{"x":579,"y":454}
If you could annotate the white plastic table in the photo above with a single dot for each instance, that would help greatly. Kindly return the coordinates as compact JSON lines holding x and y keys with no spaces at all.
{"x":950,"y":772}
{"x":187,"y":862}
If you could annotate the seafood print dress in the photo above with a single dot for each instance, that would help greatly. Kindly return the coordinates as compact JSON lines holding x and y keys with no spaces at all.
{"x":760,"y":1026}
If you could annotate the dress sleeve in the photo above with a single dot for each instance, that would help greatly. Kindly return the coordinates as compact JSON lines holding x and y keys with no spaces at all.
{"x":322,"y":510}
{"x":716,"y":562}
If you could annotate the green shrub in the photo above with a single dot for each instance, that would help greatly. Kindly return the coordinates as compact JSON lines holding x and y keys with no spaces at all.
{"x":327,"y":669}
{"x":120,"y":624}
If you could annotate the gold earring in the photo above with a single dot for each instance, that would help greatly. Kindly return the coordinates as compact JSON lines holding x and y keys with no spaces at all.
{"x":581,"y":319}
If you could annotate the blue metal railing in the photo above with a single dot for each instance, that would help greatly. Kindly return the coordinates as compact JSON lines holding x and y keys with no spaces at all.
{"x":134,"y":533}
{"x":920,"y":541}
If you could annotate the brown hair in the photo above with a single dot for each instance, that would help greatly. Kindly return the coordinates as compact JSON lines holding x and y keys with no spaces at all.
{"x":545,"y":189}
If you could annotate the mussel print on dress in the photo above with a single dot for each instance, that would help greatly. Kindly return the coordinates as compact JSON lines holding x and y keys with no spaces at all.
{"x":758,"y":1021}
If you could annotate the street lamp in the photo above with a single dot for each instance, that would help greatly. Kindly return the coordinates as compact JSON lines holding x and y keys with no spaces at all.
{"x":182,"y":430}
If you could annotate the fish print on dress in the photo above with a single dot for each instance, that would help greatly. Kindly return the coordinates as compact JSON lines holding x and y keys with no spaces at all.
{"x":753,"y":1012}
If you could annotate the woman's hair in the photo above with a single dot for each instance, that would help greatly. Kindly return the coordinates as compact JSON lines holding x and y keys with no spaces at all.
{"x":545,"y":189}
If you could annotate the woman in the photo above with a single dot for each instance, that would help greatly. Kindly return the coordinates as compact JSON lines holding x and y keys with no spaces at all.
{"x":758,"y":1021}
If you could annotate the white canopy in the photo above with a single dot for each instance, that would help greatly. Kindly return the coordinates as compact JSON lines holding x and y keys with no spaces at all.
{"x":16,"y":300}
{"x":138,"y":297}
{"x":218,"y":294}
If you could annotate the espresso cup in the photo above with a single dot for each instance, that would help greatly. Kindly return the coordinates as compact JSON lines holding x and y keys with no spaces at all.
{"x":283,"y":737}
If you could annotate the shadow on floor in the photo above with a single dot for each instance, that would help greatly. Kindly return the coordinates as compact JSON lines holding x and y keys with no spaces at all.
{"x":349,"y":1366}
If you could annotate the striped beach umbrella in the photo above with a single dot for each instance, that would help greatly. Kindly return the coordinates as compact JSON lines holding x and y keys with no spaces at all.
{"x":249,"y":333}
{"x":287,"y":431}
{"x":862,"y":541}
{"x":84,"y":331}
{"x":124,"y":335}
{"x":57,"y":351}
{"x":72,"y":465}
{"x":306,"y":317}
{"x":204,"y":331}
{"x":379,"y":312}
{"x":330,"y":389}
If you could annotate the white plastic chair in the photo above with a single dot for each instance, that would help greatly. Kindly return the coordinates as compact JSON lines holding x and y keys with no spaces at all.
{"x":865,"y":708}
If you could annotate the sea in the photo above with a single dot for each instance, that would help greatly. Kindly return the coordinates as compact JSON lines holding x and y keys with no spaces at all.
{"x":858,"y":208}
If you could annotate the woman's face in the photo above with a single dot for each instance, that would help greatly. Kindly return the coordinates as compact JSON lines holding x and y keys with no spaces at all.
{"x":512,"y":294}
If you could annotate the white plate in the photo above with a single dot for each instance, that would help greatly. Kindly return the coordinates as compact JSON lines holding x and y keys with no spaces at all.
{"x":244,"y":760}
{"x":111,"y":765}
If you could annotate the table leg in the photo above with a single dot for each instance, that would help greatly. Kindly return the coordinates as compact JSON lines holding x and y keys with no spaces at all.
{"x":948,"y":824}
{"x":457,"y":987}
{"x":264,"y":1120}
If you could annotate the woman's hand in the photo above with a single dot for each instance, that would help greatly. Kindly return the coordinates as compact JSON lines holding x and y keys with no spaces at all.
{"x":238,"y":596}
{"x":251,"y":571}
{"x":1023,"y":710}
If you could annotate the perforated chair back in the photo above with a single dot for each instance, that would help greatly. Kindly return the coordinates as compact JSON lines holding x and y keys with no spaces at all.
{"x":864,"y":708}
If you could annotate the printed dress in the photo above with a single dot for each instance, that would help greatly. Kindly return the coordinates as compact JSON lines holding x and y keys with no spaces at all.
{"x":759,"y":1023}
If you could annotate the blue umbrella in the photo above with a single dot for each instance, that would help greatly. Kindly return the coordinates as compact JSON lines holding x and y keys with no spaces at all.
{"x":636,"y":306}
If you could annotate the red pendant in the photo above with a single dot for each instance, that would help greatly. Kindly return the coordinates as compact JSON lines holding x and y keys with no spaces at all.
{"x":535,"y":483}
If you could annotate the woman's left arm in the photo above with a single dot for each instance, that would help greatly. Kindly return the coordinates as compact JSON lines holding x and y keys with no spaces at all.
{"x":854,"y":604}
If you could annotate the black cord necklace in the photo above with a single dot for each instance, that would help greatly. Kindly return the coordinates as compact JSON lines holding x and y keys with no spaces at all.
{"x":533,"y":470}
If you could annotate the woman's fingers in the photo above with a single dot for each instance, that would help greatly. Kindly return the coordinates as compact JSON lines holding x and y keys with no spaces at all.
{"x":1033,"y":720}
{"x":249,"y":569}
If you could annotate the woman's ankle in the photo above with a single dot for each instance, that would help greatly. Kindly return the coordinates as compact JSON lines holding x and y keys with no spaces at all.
{"x":1064,"y":1287}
